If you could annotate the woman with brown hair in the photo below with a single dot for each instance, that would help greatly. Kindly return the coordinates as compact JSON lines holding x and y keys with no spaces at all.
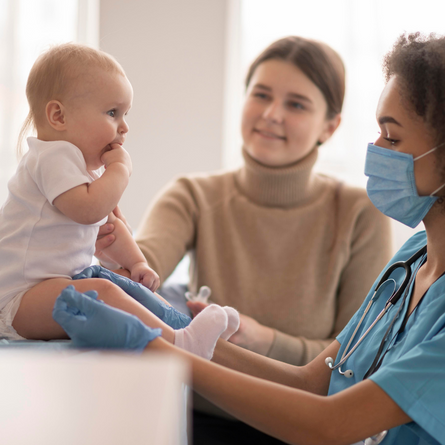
{"x":292,"y":250}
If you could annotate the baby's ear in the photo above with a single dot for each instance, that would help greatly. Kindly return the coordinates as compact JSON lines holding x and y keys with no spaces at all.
{"x":55,"y":115}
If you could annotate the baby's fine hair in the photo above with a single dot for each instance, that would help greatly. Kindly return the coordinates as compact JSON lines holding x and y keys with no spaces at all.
{"x":54,"y":73}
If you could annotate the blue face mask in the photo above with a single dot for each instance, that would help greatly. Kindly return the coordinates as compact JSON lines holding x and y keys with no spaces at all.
{"x":392,"y":187}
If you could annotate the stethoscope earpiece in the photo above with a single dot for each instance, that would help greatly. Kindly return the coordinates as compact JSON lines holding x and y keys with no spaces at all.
{"x":329,"y":361}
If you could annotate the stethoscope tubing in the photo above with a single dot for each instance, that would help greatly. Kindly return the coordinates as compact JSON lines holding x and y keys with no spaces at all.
{"x":378,"y":318}
{"x":392,"y":300}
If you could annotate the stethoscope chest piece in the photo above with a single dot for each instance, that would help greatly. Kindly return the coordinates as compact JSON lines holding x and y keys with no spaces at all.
{"x":375,"y":440}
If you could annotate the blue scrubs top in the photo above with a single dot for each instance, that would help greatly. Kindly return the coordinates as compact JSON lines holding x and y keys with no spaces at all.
{"x":413,"y":370}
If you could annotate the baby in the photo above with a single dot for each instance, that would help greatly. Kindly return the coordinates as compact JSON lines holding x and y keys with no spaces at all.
{"x":60,"y":195}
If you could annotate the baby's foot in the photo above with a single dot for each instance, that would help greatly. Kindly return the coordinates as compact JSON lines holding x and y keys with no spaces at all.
{"x":233,"y":322}
{"x":201,"y":335}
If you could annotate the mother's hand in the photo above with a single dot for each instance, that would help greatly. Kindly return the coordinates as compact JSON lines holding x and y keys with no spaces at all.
{"x":250,"y":335}
{"x":105,"y":238}
{"x":253,"y":335}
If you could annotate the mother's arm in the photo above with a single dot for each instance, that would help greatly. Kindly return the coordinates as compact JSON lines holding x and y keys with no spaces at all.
{"x":106,"y":237}
{"x":168,"y":228}
{"x":369,"y":249}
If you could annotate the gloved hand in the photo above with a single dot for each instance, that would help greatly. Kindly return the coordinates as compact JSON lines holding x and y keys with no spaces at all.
{"x":90,"y":323}
{"x":168,"y":314}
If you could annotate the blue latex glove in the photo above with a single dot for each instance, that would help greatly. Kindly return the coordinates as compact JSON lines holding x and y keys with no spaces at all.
{"x":168,"y":314}
{"x":90,"y":323}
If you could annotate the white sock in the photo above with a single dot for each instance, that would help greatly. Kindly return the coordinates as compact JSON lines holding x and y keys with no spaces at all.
{"x":232,"y":322}
{"x":201,"y":335}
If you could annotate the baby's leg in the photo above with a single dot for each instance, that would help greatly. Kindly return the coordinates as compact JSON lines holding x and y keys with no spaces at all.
{"x":141,"y":294}
{"x":34,"y":316}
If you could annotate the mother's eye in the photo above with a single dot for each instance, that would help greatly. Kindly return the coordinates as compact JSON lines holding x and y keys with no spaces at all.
{"x":261,"y":95}
{"x":296,"y":105}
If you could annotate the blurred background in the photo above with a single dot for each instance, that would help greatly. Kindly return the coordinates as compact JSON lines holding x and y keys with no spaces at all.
{"x":187,"y":61}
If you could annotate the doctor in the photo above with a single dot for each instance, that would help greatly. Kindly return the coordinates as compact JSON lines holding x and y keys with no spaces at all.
{"x":392,"y":387}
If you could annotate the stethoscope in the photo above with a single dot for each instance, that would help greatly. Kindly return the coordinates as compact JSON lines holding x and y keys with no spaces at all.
{"x":383,"y":284}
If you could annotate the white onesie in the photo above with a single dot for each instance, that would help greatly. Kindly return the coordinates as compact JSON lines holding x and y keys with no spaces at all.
{"x":37,"y":241}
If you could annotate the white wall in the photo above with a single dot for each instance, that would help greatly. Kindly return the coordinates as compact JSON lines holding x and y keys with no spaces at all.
{"x":173,"y":52}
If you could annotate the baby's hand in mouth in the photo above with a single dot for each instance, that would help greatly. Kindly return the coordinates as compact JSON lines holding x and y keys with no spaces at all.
{"x":117,"y":153}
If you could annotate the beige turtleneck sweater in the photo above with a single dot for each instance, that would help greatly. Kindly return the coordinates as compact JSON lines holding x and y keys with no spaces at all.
{"x":295,"y":250}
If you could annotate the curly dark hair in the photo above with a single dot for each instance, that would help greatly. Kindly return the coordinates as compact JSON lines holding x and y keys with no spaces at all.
{"x":418,"y":61}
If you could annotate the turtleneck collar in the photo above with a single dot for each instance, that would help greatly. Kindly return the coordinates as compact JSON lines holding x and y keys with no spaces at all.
{"x":278,"y":186}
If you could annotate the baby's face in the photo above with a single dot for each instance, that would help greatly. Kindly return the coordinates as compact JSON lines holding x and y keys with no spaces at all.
{"x":96,"y":115}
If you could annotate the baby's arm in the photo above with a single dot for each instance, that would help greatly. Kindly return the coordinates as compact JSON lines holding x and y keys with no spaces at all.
{"x":89,"y":203}
{"x":126,"y":252}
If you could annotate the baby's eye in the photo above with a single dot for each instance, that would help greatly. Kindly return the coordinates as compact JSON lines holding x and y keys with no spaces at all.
{"x":111,"y":113}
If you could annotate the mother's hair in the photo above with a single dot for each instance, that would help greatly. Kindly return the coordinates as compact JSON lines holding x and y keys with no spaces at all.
{"x":318,"y":61}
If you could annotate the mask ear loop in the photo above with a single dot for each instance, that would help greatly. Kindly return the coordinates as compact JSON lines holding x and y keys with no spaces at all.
{"x":437,"y":190}
{"x":427,"y":153}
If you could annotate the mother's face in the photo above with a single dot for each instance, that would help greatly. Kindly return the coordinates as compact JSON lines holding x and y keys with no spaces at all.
{"x":284,"y":115}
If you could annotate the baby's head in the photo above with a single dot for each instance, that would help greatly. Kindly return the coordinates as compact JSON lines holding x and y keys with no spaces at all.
{"x":75,"y":93}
